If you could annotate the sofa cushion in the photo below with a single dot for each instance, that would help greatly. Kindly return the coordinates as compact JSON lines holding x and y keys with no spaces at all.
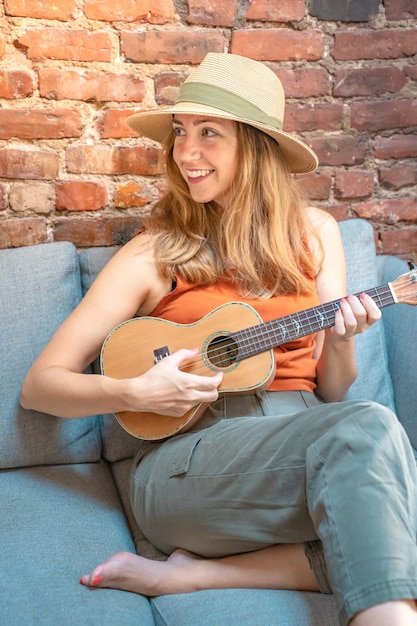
{"x":373,"y":381}
{"x":245,"y":607}
{"x":58,"y":523}
{"x":39,"y":286}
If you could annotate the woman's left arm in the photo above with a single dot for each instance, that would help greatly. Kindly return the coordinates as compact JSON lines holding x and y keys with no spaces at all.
{"x":336,"y":365}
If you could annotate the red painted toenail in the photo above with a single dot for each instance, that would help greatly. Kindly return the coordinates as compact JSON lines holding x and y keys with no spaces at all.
{"x":97,"y":580}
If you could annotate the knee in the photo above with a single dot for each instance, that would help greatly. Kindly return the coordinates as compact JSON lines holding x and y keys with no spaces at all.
{"x":373,"y":418}
{"x":363,"y":426}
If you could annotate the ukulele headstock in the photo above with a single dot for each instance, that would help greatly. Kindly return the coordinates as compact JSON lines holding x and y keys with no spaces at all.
{"x":404,"y":288}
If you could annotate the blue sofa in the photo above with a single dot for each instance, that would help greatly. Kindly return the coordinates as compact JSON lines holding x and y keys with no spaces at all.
{"x":64,"y":504}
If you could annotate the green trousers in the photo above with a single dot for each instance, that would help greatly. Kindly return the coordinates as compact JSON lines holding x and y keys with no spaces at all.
{"x":282,"y":467}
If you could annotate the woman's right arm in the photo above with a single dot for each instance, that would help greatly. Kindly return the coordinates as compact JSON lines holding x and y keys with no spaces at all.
{"x":56,"y":382}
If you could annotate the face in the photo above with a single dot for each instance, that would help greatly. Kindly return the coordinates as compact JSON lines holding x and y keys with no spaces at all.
{"x":205,"y":151}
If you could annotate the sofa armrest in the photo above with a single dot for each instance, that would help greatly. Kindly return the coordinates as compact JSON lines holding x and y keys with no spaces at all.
{"x":400,"y":325}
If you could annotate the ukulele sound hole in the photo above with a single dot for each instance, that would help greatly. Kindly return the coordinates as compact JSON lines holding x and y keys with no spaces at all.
{"x":222,"y":351}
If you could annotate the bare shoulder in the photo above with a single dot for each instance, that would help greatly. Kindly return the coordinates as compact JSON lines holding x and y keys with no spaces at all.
{"x":324,"y":223}
{"x":325,"y":239}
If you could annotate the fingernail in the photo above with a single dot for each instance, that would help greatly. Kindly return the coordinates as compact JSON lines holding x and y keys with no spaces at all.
{"x":97,"y":580}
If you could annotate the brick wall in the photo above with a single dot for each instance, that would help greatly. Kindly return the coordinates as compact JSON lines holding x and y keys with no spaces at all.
{"x":72,"y":70}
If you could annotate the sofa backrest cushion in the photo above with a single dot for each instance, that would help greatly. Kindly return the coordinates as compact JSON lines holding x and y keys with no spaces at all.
{"x":117,"y":443}
{"x":373,"y":381}
{"x":400,"y":323}
{"x":39,"y":287}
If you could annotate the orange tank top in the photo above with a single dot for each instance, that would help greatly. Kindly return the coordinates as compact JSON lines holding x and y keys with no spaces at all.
{"x":296,"y":367}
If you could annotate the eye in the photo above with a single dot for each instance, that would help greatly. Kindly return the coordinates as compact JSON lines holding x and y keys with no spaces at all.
{"x":208,"y":132}
{"x":178,"y":131}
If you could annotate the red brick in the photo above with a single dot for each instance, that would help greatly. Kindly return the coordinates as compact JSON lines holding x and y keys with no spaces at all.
{"x":171,"y":46}
{"x":40,"y":124}
{"x":343,"y":10}
{"x":382,"y":115}
{"x":316,"y":186}
{"x":2,"y":46}
{"x":339,"y":211}
{"x":304,"y":83}
{"x":368,"y":81}
{"x":86,"y":232}
{"x":113,"y":160}
{"x":212,"y":12}
{"x":339,"y":151}
{"x":16,"y":233}
{"x":396,"y":147}
{"x":111,"y":124}
{"x":76,"y":195}
{"x":378,"y":44}
{"x":353,"y":184}
{"x":278,"y":44}
{"x":398,"y":242}
{"x":388,"y":211}
{"x":310,"y":117}
{"x":167,"y":85}
{"x":3,"y":197}
{"x":28,"y":163}
{"x":90,"y":85}
{"x":400,"y":9}
{"x":17,"y":83}
{"x":397,"y":177}
{"x":73,"y":45}
{"x":273,"y":11}
{"x":131,"y":194}
{"x":411,"y":71}
{"x":152,"y":11}
{"x":32,"y":196}
{"x":41,"y":9}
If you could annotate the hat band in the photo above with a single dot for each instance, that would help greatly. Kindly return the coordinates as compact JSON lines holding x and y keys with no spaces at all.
{"x":219,"y":98}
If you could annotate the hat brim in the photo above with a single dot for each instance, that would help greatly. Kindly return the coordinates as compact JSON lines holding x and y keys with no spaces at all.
{"x":157,"y":125}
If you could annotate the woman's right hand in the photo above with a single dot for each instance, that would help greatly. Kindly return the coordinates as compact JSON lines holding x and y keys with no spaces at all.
{"x":168,"y":390}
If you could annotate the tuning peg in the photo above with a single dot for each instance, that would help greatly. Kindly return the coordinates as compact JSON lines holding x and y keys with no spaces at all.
{"x":411,"y":265}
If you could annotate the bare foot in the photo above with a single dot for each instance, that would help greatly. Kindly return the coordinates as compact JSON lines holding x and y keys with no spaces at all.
{"x":131,"y":572}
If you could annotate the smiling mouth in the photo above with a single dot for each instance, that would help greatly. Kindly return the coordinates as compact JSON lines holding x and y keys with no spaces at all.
{"x":198,"y":173}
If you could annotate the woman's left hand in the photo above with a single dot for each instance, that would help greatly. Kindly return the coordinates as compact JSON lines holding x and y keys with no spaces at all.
{"x":356,"y":314}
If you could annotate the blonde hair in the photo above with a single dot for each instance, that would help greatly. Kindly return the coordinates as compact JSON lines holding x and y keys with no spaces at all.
{"x":260,"y":240}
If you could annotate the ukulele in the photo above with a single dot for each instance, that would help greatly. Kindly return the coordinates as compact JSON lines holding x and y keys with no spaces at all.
{"x":232,"y":339}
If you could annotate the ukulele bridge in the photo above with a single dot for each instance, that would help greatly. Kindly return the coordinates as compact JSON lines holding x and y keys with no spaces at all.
{"x":160,"y":353}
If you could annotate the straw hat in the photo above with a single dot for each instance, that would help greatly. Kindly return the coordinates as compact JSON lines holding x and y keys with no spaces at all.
{"x":235,"y":88}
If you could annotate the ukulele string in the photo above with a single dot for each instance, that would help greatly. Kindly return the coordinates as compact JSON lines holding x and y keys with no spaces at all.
{"x":254,"y":335}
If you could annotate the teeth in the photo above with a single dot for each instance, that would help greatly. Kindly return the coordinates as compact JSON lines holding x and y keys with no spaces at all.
{"x":198,"y":173}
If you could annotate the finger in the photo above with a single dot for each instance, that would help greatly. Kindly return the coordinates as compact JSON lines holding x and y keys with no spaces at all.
{"x":208,"y":383}
{"x":180,"y":357}
{"x":371,"y":307}
{"x":356,"y":306}
{"x":352,"y":310}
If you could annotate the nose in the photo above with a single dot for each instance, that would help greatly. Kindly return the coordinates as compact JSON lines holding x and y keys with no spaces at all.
{"x":187,"y":147}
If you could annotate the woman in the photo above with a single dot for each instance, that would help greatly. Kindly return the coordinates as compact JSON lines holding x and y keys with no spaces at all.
{"x":288,"y":488}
